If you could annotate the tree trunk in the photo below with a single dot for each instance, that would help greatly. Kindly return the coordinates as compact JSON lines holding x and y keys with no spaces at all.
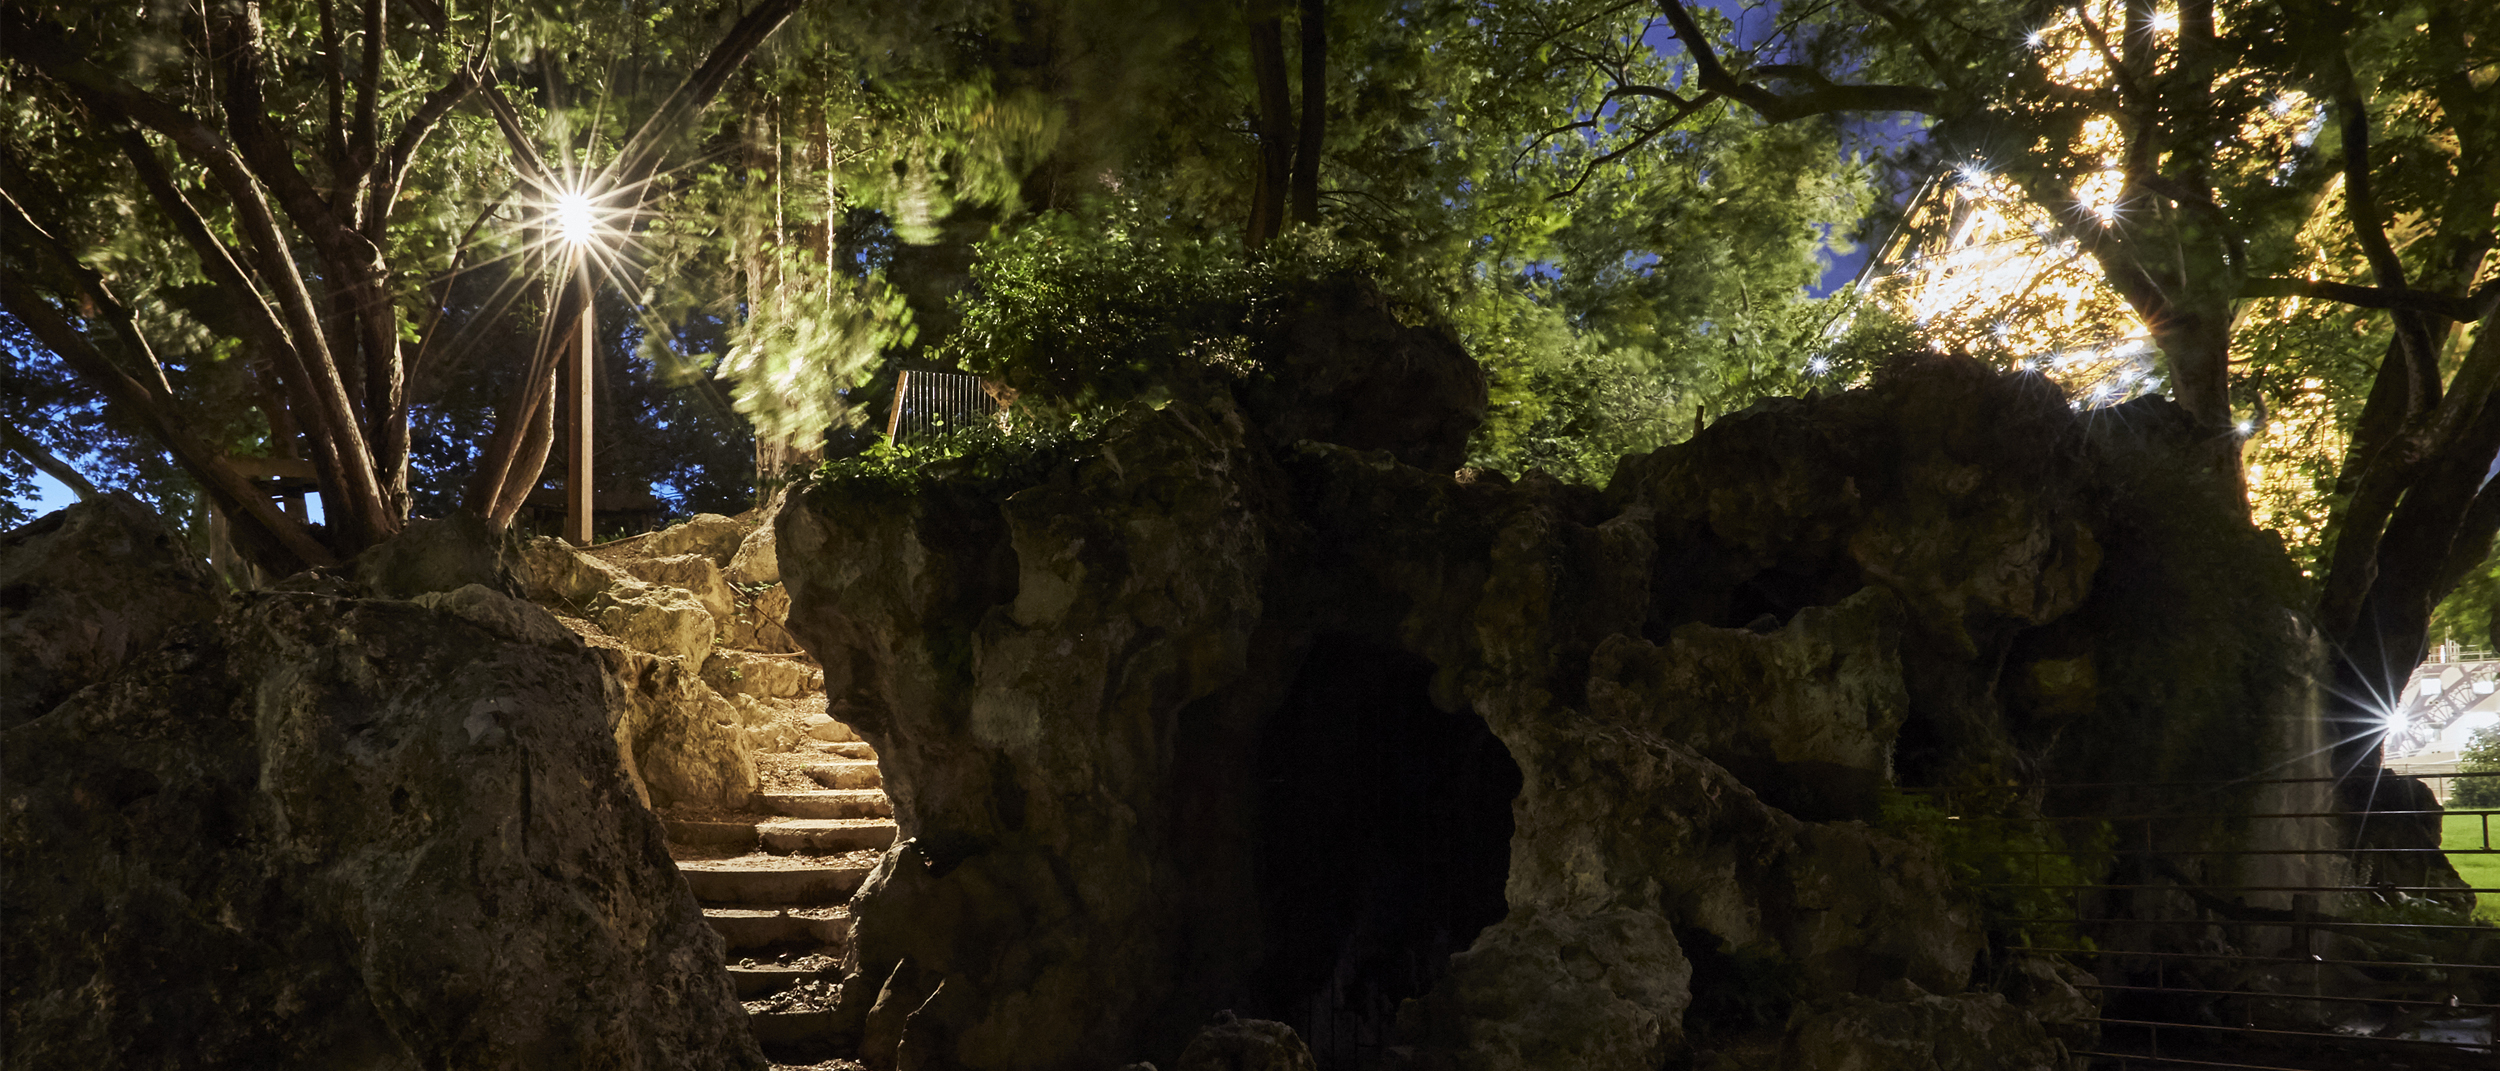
{"x":1275,"y":126}
{"x":1314,"y":134}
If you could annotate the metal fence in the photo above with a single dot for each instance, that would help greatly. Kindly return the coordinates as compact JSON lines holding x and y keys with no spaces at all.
{"x":2282,"y":937}
{"x":932,"y":403}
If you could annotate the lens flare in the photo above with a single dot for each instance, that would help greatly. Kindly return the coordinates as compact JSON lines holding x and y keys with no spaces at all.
{"x":576,"y":218}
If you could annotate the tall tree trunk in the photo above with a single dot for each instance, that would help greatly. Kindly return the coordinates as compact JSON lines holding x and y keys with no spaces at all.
{"x":1275,"y":125}
{"x":530,"y":462}
{"x":1314,"y":134}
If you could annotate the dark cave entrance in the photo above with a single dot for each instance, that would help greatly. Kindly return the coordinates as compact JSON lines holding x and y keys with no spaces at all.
{"x":1384,"y":845}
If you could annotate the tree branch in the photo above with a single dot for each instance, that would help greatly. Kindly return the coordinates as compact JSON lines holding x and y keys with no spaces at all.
{"x":1822,"y":97}
{"x":2367,"y":297}
{"x":1661,"y":127}
{"x":53,"y":466}
{"x":366,"y":134}
{"x":90,"y":280}
{"x":42,"y":45}
{"x":268,"y":534}
{"x":2361,"y":210}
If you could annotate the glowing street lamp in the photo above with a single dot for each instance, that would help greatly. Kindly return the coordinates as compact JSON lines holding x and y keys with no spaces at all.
{"x":577,"y":223}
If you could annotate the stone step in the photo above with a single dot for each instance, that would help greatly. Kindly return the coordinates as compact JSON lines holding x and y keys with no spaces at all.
{"x":826,"y":835}
{"x":727,"y":836}
{"x":753,"y":982}
{"x":847,"y":774}
{"x":847,"y":803}
{"x":826,"y":929}
{"x":769,"y":879}
{"x":795,"y":1037}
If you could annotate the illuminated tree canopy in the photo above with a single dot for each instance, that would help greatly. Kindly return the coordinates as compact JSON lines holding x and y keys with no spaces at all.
{"x":2278,"y":214}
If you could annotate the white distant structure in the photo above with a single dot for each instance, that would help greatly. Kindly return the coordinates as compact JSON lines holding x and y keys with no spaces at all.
{"x":2454,"y":693}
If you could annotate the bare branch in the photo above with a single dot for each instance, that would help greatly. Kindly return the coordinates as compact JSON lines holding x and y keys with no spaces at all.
{"x":53,"y":466}
{"x":90,"y":280}
{"x":1660,"y":127}
{"x":2367,"y":297}
{"x":1822,"y":96}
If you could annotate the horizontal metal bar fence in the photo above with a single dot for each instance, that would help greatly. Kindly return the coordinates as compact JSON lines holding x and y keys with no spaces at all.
{"x":2304,"y":961}
{"x":2216,"y":815}
{"x":2393,"y":1002}
{"x":2408,"y":991}
{"x":2305,"y":1035}
{"x":2240,"y":782}
{"x":2236,"y":888}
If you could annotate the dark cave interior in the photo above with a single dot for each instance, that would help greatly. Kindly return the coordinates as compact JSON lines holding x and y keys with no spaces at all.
{"x":1384,"y":844}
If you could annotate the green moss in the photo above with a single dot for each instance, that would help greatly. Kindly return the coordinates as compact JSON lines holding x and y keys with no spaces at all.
{"x":2019,"y":868}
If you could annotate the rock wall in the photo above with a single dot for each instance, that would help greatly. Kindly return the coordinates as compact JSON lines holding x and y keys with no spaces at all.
{"x":1447,"y":771}
{"x":333,"y":830}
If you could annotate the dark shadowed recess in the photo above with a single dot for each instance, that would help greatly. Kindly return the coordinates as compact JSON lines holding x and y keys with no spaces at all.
{"x":1384,"y":828}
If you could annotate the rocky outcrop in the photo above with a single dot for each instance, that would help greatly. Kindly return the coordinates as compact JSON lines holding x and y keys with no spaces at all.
{"x":1341,"y":366}
{"x":86,"y":589}
{"x":350,"y":831}
{"x":1520,"y":774}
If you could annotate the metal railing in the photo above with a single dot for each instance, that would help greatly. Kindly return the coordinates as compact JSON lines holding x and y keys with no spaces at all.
{"x":2277,"y":938}
{"x":930,"y":403}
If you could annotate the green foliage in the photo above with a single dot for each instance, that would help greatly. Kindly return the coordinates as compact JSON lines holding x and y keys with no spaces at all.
{"x":2471,"y":614}
{"x":2013,"y":863}
{"x":1085,"y":312}
{"x":2481,"y":755}
{"x":984,"y":455}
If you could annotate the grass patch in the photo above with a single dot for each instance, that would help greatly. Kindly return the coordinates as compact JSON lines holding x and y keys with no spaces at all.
{"x":2462,"y":836}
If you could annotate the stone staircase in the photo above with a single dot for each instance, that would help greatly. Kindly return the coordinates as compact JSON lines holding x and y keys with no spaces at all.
{"x":777,"y":886}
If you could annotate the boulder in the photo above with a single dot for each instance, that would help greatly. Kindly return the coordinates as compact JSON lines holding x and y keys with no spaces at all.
{"x":657,"y":619}
{"x":1596,"y":989}
{"x":85,"y":590}
{"x":1917,"y":1031}
{"x":685,"y":743}
{"x":1231,"y":1043}
{"x":555,"y":574}
{"x":708,"y":534}
{"x":350,"y":832}
{"x":756,"y":621}
{"x":823,"y":727}
{"x":1805,"y":713}
{"x":443,"y":555}
{"x":1342,"y":366}
{"x":758,"y":560}
{"x":742,"y":673}
{"x":693,"y":574}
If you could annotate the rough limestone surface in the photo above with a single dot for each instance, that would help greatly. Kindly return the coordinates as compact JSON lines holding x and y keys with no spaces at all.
{"x":1344,"y":369}
{"x":86,"y":589}
{"x":443,"y":554}
{"x":1166,"y":724}
{"x":755,"y":622}
{"x":758,"y":560}
{"x":693,"y":574}
{"x":1916,"y":1031}
{"x":708,"y":534}
{"x":1231,"y":1043}
{"x":657,"y":619}
{"x":740,"y":673}
{"x":684,"y":742}
{"x":349,"y":832}
{"x":555,"y":574}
